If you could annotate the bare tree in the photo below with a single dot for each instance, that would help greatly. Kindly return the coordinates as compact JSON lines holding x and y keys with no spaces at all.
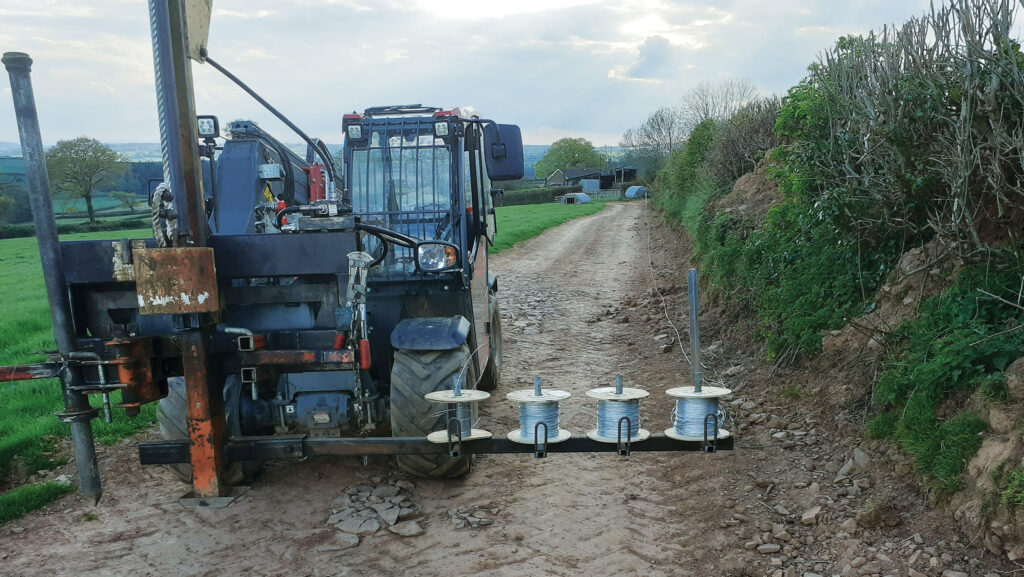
{"x":715,"y":101}
{"x":743,"y":139}
{"x":650,"y":143}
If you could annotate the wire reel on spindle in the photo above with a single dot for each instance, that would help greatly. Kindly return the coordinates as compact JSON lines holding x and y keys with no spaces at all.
{"x":697,"y":415}
{"x":538,"y":415}
{"x":459,"y":405}
{"x":618,"y":414}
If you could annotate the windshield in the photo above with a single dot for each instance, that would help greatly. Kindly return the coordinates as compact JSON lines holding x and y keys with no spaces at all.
{"x":402,"y":181}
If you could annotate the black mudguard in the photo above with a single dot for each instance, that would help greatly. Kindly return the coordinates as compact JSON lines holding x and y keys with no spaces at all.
{"x":430,"y":333}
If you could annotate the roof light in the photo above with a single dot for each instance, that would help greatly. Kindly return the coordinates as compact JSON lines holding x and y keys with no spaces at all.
{"x":441,"y":128}
{"x":355,"y":131}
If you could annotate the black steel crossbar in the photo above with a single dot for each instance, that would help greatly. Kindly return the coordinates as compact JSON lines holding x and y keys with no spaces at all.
{"x":299,"y":446}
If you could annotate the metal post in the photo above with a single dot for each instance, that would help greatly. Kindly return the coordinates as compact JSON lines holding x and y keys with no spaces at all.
{"x":77,"y":411}
{"x":691,"y":283}
{"x":537,"y":390}
{"x":618,"y":384}
{"x":205,"y":416}
{"x":176,"y":108}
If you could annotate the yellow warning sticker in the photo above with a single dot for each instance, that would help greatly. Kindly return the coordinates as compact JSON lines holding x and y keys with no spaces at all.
{"x":267,"y":194}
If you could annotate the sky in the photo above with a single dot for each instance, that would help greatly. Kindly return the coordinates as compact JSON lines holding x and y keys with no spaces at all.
{"x":556,"y":68}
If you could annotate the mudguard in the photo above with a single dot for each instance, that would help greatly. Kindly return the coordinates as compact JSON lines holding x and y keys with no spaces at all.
{"x":430,"y":333}
{"x":492,"y":282}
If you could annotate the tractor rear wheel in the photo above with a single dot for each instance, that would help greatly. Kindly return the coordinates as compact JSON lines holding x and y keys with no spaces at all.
{"x":172,"y":416}
{"x":413,"y":375}
{"x":492,"y":371}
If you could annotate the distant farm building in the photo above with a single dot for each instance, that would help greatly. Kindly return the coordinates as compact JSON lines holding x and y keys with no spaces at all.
{"x":583,"y":176}
{"x":571,"y":176}
{"x":625,"y":174}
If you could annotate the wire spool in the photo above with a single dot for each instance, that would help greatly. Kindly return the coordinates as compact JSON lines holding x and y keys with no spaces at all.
{"x":692,"y":408}
{"x":614,"y":403}
{"x":459,"y":406}
{"x":538,"y":406}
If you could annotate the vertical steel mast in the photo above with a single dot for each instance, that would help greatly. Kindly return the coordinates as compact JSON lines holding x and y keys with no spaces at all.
{"x":77,"y":411}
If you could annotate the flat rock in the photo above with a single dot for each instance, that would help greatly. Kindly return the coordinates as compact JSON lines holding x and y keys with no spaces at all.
{"x":406,"y":529}
{"x":350,"y":524}
{"x":861,"y":460}
{"x":769,"y":548}
{"x":951,"y":573}
{"x":810,"y":516}
{"x":369,"y":527}
{"x":385,"y":491}
{"x":845,"y":471}
{"x":341,"y":516}
{"x":359,"y":526}
{"x":390,"y":515}
{"x":346,"y":540}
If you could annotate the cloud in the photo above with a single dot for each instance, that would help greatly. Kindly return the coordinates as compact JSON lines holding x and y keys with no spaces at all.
{"x":657,"y":59}
{"x":555,"y":67}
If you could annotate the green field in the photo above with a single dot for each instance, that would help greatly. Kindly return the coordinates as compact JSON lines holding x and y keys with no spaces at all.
{"x":27,"y":423}
{"x":518,"y":223}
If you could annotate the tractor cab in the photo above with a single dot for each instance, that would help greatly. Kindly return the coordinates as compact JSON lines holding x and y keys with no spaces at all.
{"x":427,"y":172}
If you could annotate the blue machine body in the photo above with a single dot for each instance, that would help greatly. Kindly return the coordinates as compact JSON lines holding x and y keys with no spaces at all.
{"x":425,"y":174}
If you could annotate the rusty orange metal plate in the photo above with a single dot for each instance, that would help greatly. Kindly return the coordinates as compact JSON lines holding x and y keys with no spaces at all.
{"x":176,"y":280}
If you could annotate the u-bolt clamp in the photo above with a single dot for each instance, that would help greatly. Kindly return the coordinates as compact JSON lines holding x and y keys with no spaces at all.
{"x":624,"y":447}
{"x":454,"y":438}
{"x":713,"y":445}
{"x":540,"y":450}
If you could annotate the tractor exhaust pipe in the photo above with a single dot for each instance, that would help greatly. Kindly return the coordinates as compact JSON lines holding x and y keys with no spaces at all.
{"x":77,"y":411}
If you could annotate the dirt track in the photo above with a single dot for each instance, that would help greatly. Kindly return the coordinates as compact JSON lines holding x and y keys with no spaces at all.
{"x":571,"y":315}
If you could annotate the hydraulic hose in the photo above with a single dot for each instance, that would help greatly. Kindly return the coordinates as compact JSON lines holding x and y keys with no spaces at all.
{"x":396,"y":237}
{"x":285,"y":212}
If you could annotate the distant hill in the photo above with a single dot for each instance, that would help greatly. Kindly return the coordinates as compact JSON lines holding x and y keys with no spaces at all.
{"x":10,"y":149}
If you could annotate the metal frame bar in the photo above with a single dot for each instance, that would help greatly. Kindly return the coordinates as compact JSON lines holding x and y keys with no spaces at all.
{"x":301,"y":446}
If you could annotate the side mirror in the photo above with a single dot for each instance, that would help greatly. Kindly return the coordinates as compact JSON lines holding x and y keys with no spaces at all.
{"x":503,"y":151}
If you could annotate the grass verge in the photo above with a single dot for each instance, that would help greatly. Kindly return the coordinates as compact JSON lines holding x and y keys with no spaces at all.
{"x":28,"y":498}
{"x":518,"y":223}
{"x":960,"y":343}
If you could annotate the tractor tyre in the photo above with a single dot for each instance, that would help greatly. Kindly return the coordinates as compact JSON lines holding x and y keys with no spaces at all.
{"x":413,"y":375}
{"x":172,"y":416}
{"x":492,"y":372}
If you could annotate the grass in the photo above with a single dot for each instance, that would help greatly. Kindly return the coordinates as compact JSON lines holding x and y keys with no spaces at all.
{"x":27,"y":423}
{"x":28,"y":498}
{"x":518,"y":223}
{"x":961,"y":343}
{"x":1013,"y":492}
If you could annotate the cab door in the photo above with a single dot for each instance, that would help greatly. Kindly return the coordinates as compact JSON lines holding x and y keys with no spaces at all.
{"x":478,"y":184}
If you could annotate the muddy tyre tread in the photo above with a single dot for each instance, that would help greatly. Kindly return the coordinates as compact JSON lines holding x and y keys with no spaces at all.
{"x":414,"y":374}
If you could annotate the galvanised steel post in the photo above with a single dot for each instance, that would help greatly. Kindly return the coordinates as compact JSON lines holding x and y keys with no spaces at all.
{"x":77,"y":411}
{"x":691,"y":283}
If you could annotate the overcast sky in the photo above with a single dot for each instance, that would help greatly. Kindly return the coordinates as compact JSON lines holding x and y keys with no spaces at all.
{"x":555,"y":67}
